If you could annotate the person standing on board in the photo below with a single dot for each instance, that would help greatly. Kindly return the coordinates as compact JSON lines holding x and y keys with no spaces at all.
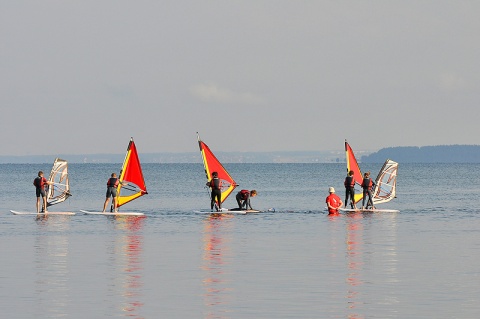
{"x":40,"y":183}
{"x":243,"y":198}
{"x":350,"y":189}
{"x":367,"y":185}
{"x":112,"y":185}
{"x":216,"y":185}
{"x":333,"y":202}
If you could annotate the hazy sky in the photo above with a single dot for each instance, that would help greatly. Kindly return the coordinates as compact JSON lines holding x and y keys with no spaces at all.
{"x":83,"y":76}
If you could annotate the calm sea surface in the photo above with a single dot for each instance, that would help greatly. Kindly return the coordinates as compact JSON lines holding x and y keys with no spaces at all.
{"x":296,"y":262}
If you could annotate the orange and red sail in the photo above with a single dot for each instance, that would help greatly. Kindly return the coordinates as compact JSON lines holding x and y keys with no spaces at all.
{"x":132,"y":184}
{"x":212,"y":164}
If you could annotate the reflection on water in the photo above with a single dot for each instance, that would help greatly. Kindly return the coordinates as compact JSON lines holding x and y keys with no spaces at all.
{"x":354,"y":252}
{"x":125,"y":260}
{"x":363,"y":246}
{"x":216,"y":257}
{"x":51,"y":266}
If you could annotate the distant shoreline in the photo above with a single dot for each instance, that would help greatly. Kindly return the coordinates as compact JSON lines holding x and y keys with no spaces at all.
{"x":404,"y":154}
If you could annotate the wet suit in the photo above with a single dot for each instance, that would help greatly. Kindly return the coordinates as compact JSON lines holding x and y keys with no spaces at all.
{"x":349,"y":189}
{"x":40,"y":183}
{"x":243,"y":199}
{"x":216,"y":186}
{"x":112,"y":184}
{"x":367,"y":185}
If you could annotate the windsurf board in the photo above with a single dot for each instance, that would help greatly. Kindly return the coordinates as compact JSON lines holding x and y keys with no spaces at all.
{"x":47,"y":214}
{"x":223,"y":211}
{"x":365,"y":210}
{"x":112,"y":213}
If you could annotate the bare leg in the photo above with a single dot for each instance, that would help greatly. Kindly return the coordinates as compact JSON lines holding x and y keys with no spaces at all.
{"x":105,"y":205}
{"x":45,"y":205}
{"x":38,"y":205}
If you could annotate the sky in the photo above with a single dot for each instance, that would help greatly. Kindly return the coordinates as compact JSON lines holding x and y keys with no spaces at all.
{"x":82,"y":77}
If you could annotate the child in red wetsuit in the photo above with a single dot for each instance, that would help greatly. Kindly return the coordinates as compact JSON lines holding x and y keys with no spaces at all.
{"x":333,"y":202}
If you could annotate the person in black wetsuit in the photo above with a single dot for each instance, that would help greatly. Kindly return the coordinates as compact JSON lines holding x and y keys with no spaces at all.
{"x":350,"y":189}
{"x":367,"y":185}
{"x":243,"y":198}
{"x":216,"y":185}
{"x":112,"y":185}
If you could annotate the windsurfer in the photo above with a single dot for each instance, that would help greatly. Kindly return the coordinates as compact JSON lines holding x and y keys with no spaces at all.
{"x":40,"y":181}
{"x":216,"y":185}
{"x":243,"y":198}
{"x":350,"y":189}
{"x":367,"y":185}
{"x":333,"y":202}
{"x":112,"y":185}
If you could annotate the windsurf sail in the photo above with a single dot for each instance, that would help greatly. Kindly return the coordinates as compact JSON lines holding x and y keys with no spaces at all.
{"x":386,"y":183}
{"x":132,"y":184}
{"x":212,"y":164}
{"x":352,"y":165}
{"x":59,"y":191}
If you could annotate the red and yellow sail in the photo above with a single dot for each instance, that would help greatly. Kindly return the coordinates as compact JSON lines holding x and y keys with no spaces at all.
{"x":352,"y":165}
{"x":212,"y":164}
{"x":132,"y":184}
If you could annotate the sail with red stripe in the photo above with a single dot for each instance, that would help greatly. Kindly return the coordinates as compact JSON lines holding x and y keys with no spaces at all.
{"x":352,"y":165}
{"x":59,"y":189}
{"x":212,"y":164}
{"x":386,"y":183}
{"x":132,"y":184}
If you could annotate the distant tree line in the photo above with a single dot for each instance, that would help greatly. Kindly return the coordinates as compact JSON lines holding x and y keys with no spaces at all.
{"x":426,"y":154}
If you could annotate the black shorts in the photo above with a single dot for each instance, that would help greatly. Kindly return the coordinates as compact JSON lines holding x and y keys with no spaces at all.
{"x":40,"y":191}
{"x":111,"y":191}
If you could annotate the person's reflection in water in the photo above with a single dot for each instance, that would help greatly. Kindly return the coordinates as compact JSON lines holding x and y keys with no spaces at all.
{"x":354,"y":243}
{"x":216,"y":258}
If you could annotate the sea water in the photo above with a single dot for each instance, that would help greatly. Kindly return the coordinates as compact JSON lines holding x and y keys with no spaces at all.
{"x":296,"y":262}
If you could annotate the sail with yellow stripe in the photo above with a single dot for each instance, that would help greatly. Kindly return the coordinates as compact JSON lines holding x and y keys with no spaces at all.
{"x":212,"y":164}
{"x":132,"y":184}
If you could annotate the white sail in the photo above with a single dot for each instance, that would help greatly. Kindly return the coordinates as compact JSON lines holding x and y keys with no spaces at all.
{"x":59,"y":191}
{"x":386,"y":183}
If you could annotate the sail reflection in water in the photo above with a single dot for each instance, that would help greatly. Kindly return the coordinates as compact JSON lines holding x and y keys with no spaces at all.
{"x":126,"y":257}
{"x":216,"y":259}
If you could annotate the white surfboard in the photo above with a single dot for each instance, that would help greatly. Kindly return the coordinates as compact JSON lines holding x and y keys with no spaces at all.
{"x":86,"y":212}
{"x":239,"y":212}
{"x":14,"y":212}
{"x":228,"y":211}
{"x":365,"y":210}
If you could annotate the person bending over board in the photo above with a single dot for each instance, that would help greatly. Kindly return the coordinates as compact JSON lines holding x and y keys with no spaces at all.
{"x":350,"y":189}
{"x":40,"y":183}
{"x":112,"y":185}
{"x":367,"y":185}
{"x":333,"y":202}
{"x":216,"y":185}
{"x":243,"y":198}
